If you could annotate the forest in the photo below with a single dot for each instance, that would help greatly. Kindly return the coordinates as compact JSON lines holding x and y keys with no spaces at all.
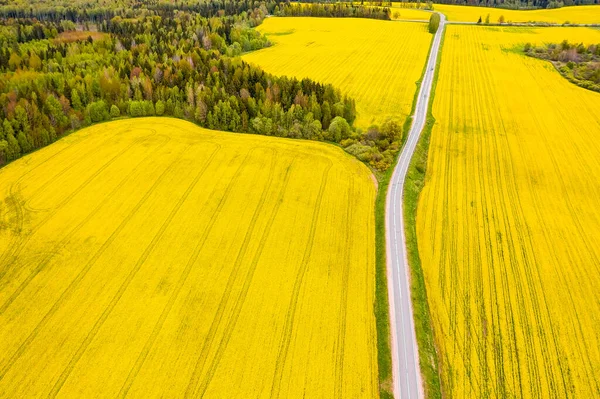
{"x":65,"y":66}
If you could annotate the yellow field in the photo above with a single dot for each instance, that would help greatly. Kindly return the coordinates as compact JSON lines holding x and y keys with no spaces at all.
{"x":153,"y":258}
{"x":375,"y":62}
{"x":410,"y":14}
{"x":508,"y":222}
{"x":577,"y":14}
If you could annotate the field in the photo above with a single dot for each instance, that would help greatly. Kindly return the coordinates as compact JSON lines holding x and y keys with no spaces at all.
{"x":508,"y":221}
{"x":378,"y":63}
{"x":410,"y":14}
{"x":578,"y":14}
{"x":151,"y":257}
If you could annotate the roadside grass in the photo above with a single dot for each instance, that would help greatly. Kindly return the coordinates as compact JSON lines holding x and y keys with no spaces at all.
{"x":382,"y":306}
{"x":415,"y":180}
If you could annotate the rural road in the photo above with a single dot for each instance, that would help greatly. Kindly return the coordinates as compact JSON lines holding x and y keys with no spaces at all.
{"x":405,"y":356}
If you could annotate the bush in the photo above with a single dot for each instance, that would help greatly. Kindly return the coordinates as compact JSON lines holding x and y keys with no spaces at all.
{"x":97,"y":112}
{"x":362,"y":152}
{"x":347,"y":142}
{"x":114,"y":111}
{"x":392,"y":130}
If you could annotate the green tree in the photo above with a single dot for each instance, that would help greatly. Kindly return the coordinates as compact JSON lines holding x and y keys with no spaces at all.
{"x":135,"y":109}
{"x":14,"y":61}
{"x":97,"y":111}
{"x":160,"y":108}
{"x":434,"y":23}
{"x":148,"y":108}
{"x":3,"y":151}
{"x":54,"y":111}
{"x":326,"y":111}
{"x":7,"y":129}
{"x":24,"y":142}
{"x":14,"y":150}
{"x":76,"y":100}
{"x":114,"y":111}
{"x":339,"y":129}
{"x":35,"y":62}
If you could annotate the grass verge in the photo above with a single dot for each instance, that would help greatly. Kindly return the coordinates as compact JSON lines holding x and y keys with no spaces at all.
{"x":413,"y":185}
{"x":382,"y":306}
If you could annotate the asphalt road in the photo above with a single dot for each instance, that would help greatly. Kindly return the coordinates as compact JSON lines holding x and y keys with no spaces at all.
{"x":405,"y":357}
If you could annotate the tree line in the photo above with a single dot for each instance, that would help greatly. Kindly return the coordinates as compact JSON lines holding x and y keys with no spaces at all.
{"x":332,"y":10}
{"x":94,"y":11}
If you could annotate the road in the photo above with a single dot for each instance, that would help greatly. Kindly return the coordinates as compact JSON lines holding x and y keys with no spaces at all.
{"x":405,"y":357}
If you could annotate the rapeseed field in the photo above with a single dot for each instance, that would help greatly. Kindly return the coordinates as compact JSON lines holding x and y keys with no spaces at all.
{"x":375,"y":62}
{"x":575,"y":15}
{"x":508,"y":221}
{"x":403,"y":13}
{"x":153,"y":258}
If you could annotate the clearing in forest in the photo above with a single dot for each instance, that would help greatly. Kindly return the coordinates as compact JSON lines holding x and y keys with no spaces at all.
{"x":151,"y":257}
{"x":574,"y":15}
{"x":508,"y":221}
{"x":377,"y":63}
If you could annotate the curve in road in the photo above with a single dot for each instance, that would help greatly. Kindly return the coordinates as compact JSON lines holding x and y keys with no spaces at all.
{"x":405,"y":357}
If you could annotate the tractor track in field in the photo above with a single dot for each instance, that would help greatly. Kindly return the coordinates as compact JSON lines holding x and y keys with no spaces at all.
{"x":20,"y":206}
{"x":166,"y":311}
{"x":291,"y":312}
{"x":341,"y":339}
{"x":232,"y":321}
{"x":82,"y":273}
{"x":57,"y":247}
{"x":191,"y":388}
{"x":20,"y":244}
{"x":133,"y":272}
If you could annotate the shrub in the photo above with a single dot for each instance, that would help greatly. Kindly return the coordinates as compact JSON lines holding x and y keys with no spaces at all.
{"x":97,"y":111}
{"x":114,"y":111}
